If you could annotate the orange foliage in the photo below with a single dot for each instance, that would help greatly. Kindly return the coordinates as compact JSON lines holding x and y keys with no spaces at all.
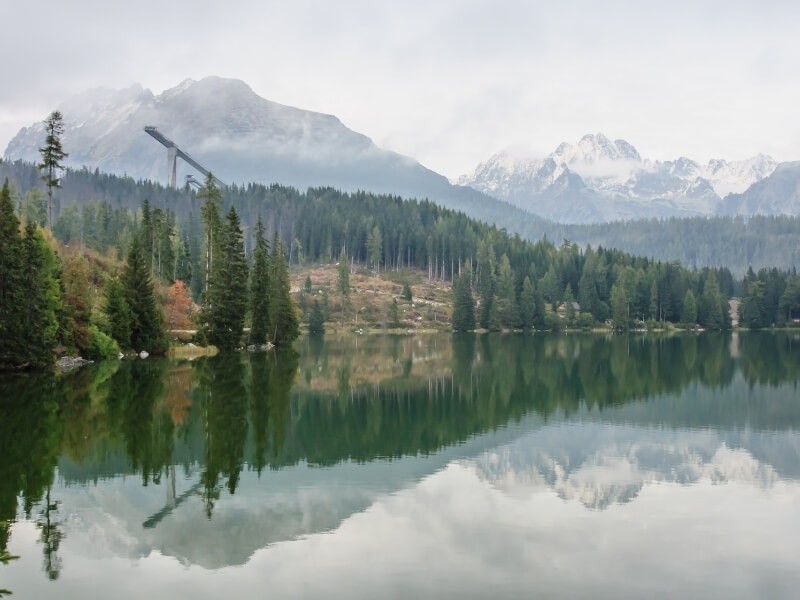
{"x":177,"y":401}
{"x":178,"y":306}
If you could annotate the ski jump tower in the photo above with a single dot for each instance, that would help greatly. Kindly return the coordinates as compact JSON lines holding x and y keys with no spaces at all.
{"x":173,"y":153}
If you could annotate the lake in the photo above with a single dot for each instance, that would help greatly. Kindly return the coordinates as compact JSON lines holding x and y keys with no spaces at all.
{"x":558,"y":466}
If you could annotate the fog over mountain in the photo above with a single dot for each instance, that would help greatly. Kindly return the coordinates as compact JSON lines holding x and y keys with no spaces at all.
{"x":599,"y":180}
{"x":241,"y":138}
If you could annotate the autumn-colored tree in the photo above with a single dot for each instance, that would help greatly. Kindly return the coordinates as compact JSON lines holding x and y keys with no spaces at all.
{"x":178,"y":306}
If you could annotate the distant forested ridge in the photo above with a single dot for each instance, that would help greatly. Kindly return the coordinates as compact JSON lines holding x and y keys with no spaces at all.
{"x":737,"y":243}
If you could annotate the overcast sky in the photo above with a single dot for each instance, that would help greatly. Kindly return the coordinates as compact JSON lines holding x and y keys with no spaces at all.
{"x":448,"y":82}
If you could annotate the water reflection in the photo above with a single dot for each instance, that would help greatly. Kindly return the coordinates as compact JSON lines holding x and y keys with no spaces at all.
{"x":233,"y":453}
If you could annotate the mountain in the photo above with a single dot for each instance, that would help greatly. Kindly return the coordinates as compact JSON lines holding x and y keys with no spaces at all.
{"x":777,"y":194}
{"x":243,"y":138}
{"x":600,"y":180}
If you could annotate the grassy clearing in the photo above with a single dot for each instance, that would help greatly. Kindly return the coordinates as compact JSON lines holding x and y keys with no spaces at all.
{"x":371,"y":299}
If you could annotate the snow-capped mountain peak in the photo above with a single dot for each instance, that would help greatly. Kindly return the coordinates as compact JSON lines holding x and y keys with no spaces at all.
{"x":609,"y":180}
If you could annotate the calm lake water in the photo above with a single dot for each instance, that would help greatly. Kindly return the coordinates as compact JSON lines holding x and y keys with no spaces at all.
{"x":425,"y":466}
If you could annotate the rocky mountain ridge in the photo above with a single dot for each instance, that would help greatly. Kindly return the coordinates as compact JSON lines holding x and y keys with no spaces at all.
{"x":599,"y":180}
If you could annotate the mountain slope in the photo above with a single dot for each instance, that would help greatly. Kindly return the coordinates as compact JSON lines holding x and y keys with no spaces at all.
{"x":777,"y":194}
{"x":598,"y":180}
{"x":244,"y":138}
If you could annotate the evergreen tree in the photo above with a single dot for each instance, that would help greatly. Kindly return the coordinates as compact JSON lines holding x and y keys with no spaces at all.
{"x":228,"y":287}
{"x":117,"y":312}
{"x":259,"y":289}
{"x":486,"y":281}
{"x":527,"y":303}
{"x":343,"y":284}
{"x":507,"y":310}
{"x":147,"y":233}
{"x":34,"y":208}
{"x":619,"y":307}
{"x":283,"y":319}
{"x":569,"y":302}
{"x":463,"y":305}
{"x":28,"y":292}
{"x":406,"y":295}
{"x":147,"y":331}
{"x":39,"y":325}
{"x":394,"y":314}
{"x":375,"y":248}
{"x":754,"y":311}
{"x":11,"y":289}
{"x":316,"y":321}
{"x":52,"y":154}
{"x":212,"y":200}
{"x":712,"y":304}
{"x":184,"y":265}
{"x":689,"y":313}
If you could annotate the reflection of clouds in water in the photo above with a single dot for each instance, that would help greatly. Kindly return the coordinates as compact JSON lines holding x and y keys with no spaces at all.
{"x":600,"y":465}
{"x":455,"y":533}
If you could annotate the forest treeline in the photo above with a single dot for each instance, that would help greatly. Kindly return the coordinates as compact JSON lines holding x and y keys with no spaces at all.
{"x":737,"y":243}
{"x":501,"y":280}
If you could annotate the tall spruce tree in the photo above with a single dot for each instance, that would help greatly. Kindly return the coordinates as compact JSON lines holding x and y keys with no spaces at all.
{"x":316,"y":320}
{"x":52,"y":154}
{"x":211,"y":196}
{"x":463,"y":305}
{"x":117,"y":312}
{"x":29,"y":292}
{"x":282,"y":315}
{"x":259,"y":288}
{"x":39,"y":319}
{"x":11,"y":291}
{"x":527,"y":303}
{"x":147,"y":331}
{"x":228,"y":287}
{"x":343,"y":284}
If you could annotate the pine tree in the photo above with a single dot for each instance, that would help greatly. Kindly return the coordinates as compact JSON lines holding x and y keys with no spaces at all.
{"x":228,"y":287}
{"x":507,"y":310}
{"x":569,"y":302}
{"x":375,"y":248}
{"x":316,"y":321}
{"x":259,"y":288}
{"x":147,"y":331}
{"x":394,"y":314}
{"x":463,"y":305}
{"x":619,"y":307}
{"x":712,"y":302}
{"x":117,"y":312}
{"x":527,"y":303}
{"x":754,"y":313}
{"x":29,"y":292}
{"x":11,"y":290}
{"x":212,"y":200}
{"x":343,"y":284}
{"x":486,"y":282}
{"x":39,"y":313}
{"x":406,"y":295}
{"x":689,"y":312}
{"x":52,"y":154}
{"x":282,"y":315}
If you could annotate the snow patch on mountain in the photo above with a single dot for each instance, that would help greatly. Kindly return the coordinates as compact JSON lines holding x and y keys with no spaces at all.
{"x":611,"y":181}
